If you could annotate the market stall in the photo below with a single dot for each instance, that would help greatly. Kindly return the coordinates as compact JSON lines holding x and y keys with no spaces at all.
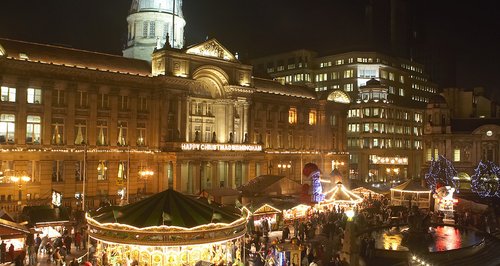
{"x":13,"y":233}
{"x":411,"y":193}
{"x":269,"y":213}
{"x":298,"y":212}
{"x":168,"y":228}
{"x":341,"y":197}
{"x":48,"y":220}
{"x":367,"y":193}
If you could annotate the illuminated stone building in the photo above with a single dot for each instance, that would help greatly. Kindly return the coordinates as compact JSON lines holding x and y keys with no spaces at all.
{"x":384,"y":139}
{"x":150,"y":23}
{"x":463,"y":126}
{"x":195,"y":117}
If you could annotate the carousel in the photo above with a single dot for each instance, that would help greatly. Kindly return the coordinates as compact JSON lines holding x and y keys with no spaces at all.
{"x":168,"y":228}
{"x":340,"y":196}
{"x":411,"y":193}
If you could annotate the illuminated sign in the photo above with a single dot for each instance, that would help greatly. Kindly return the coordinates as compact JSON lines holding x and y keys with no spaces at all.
{"x":56,"y":198}
{"x":220,"y":147}
{"x":388,"y":160}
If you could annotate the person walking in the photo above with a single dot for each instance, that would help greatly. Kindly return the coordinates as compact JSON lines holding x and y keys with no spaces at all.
{"x":11,"y":252}
{"x":3,"y":251}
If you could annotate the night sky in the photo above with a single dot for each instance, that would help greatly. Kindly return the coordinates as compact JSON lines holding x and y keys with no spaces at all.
{"x":460,"y":40}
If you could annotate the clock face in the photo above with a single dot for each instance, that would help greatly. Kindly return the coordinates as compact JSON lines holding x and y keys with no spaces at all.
{"x":489,"y":133}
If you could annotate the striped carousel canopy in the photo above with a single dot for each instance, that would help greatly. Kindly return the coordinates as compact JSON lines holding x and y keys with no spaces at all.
{"x":168,"y":208}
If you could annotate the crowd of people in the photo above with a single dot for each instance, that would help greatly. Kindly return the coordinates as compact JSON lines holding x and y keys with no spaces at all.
{"x":54,"y":250}
{"x":320,"y":235}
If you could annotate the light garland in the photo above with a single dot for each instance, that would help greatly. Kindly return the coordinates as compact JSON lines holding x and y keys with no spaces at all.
{"x":442,"y":173}
{"x":169,"y":228}
{"x":80,"y":150}
{"x":485,"y":181}
{"x":266,"y":206}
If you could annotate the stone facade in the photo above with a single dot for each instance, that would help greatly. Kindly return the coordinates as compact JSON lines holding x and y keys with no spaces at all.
{"x":196,"y":118}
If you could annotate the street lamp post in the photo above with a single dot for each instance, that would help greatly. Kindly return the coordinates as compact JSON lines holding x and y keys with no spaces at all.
{"x":19,"y":178}
{"x":145,"y":174}
{"x":284,"y":166}
{"x":394,"y":170}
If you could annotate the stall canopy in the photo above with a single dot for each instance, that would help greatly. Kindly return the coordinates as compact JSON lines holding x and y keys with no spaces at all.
{"x":412,"y":192}
{"x":341,"y":195}
{"x":168,"y":208}
{"x":266,"y":209}
{"x":41,"y":215}
{"x":366,"y":193}
{"x":10,"y":229}
{"x":258,"y":184}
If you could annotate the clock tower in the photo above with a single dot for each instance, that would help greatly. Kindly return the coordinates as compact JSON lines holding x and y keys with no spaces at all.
{"x":150,"y":24}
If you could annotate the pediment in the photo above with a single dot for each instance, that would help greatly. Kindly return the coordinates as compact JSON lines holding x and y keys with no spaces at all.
{"x":212,"y":48}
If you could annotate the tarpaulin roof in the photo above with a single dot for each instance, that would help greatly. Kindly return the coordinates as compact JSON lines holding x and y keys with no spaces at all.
{"x":168,"y":208}
{"x":259,"y":184}
{"x":10,"y":229}
{"x":37,"y":215}
{"x":411,"y":186}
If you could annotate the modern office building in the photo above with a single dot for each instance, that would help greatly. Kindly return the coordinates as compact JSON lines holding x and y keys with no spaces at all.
{"x":384,"y":139}
{"x":407,"y":82}
{"x":385,"y":117}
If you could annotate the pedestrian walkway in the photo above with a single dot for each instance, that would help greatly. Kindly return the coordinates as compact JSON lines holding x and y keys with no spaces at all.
{"x":44,"y":259}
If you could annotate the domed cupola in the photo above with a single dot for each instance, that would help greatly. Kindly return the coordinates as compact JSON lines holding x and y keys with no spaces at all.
{"x":150,"y":23}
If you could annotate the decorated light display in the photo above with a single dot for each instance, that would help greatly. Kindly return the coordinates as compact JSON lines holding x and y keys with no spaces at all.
{"x":485,"y":181}
{"x":445,"y":202}
{"x":341,"y":196}
{"x":169,"y":228}
{"x":441,"y":173}
{"x":312,"y":171}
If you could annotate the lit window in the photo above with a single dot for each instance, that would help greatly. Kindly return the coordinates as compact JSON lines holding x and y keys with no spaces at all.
{"x":391,"y":76}
{"x":102,"y":170}
{"x":141,"y":134}
{"x":401,"y":92}
{"x":81,"y":132}
{"x":7,"y":128}
{"x":8,"y":94}
{"x":122,"y":171}
{"x":456,"y":155}
{"x":102,"y":132}
{"x":348,"y":87}
{"x":348,"y":73}
{"x":312,"y":117}
{"x":292,"y":115}
{"x":57,"y":131}
{"x":33,"y":129}
{"x":34,"y":96}
{"x":122,"y":133}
